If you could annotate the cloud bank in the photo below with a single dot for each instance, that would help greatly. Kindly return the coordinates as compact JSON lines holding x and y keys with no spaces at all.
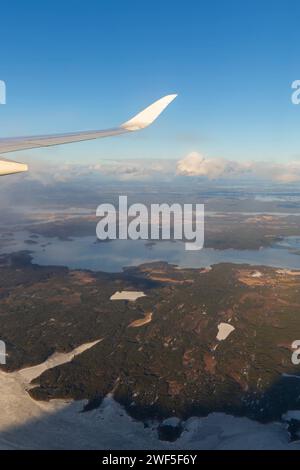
{"x":129,"y":170}
{"x":195,"y":164}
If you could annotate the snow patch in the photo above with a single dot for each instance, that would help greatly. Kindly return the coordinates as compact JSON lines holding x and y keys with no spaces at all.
{"x":127,"y":295}
{"x":224,"y":331}
{"x":256,"y":274}
{"x":29,"y":373}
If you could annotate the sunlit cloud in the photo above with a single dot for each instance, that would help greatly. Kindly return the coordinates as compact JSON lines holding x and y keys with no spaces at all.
{"x":195,"y":164}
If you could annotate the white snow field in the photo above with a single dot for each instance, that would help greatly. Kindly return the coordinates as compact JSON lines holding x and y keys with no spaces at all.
{"x":58,"y":424}
{"x":127,"y":295}
{"x":224,"y":331}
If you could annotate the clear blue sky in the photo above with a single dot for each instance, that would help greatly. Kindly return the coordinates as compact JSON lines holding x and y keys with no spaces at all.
{"x":75,"y":65}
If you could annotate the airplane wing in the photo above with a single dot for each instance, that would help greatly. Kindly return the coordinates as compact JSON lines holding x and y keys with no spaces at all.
{"x":140,"y":121}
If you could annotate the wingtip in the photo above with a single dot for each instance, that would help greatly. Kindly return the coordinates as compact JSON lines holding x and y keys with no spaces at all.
{"x":172,"y":96}
{"x":149,"y":114}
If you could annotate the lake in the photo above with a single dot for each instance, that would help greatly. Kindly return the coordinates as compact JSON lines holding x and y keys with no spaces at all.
{"x":88,"y":253}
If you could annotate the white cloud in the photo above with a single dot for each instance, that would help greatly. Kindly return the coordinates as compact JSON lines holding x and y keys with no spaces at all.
{"x":48,"y":174}
{"x":195,"y":164}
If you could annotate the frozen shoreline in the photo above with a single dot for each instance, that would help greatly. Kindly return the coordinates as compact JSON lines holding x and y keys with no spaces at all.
{"x":58,"y":424}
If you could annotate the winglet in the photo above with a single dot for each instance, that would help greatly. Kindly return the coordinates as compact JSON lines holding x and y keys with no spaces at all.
{"x":148,"y":115}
